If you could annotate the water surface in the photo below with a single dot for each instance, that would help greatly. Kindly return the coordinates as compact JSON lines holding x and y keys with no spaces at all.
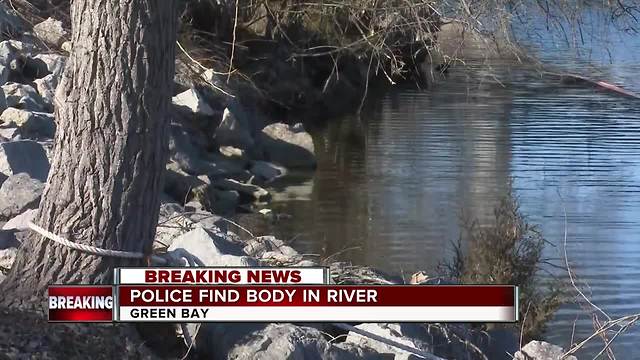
{"x":392,"y":185}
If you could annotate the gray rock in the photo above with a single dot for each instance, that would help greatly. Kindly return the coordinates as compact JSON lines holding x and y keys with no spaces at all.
{"x":224,"y":202}
{"x":191,"y":101}
{"x":30,"y":123}
{"x":3,"y":101}
{"x":405,"y":333}
{"x":4,"y":74}
{"x":9,"y":133}
{"x":19,"y":222}
{"x":212,"y":249}
{"x":66,"y":46}
{"x":54,"y":63}
{"x":23,"y":97}
{"x":8,"y":239}
{"x":273,"y":341}
{"x":8,"y":53}
{"x":19,"y":193}
{"x":289,"y":146}
{"x":266,"y":171}
{"x":262,"y":244}
{"x":233,"y":132}
{"x":24,"y":156}
{"x":8,"y":257}
{"x":46,"y":87}
{"x":10,"y":22}
{"x":540,"y":350}
{"x":233,"y":152}
{"x":178,"y":184}
{"x":51,"y":31}
{"x":253,"y":191}
{"x":170,"y":228}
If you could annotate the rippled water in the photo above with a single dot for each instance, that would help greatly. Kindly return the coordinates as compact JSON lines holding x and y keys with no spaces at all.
{"x":392,"y":185}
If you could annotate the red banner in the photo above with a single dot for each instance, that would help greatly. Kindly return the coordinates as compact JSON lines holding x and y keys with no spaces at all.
{"x":396,"y":295}
{"x":80,"y":303}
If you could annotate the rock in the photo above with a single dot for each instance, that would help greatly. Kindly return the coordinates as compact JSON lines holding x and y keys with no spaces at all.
{"x":54,"y":63}
{"x":19,"y":193}
{"x":540,"y":350}
{"x":248,"y":341}
{"x":170,"y":228}
{"x":24,"y":156}
{"x":266,"y":171}
{"x":29,"y":123}
{"x":66,"y":46}
{"x":405,"y":333}
{"x":10,"y":22}
{"x":23,"y":96}
{"x":19,"y":222}
{"x":46,"y":87}
{"x":233,"y":152}
{"x":233,"y":132}
{"x":3,"y":101}
{"x":4,"y":74}
{"x":178,"y":184}
{"x":289,"y":146}
{"x":8,"y":53}
{"x":8,"y":239}
{"x":51,"y":31}
{"x":261,"y":244}
{"x":9,"y":133}
{"x":224,"y":201}
{"x":7,"y":257}
{"x":253,"y":191}
{"x":191,"y":101}
{"x":212,"y":249}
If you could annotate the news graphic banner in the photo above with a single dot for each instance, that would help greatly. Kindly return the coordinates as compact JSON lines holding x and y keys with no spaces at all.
{"x":273,"y":295}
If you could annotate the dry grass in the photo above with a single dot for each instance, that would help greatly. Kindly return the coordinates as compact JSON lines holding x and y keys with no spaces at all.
{"x":509,"y":251}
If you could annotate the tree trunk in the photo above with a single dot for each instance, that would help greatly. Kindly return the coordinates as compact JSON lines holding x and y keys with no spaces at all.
{"x":112,"y":109}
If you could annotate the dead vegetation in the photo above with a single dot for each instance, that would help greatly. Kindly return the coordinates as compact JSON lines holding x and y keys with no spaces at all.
{"x":509,"y":251}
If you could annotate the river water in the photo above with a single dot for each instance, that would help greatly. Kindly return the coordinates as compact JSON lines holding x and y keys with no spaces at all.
{"x":393,"y":184}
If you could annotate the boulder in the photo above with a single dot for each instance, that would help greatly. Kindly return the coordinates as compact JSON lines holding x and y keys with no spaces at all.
{"x":289,"y":146}
{"x":19,"y":222}
{"x":405,"y":333}
{"x":24,"y":156}
{"x":9,"y":133}
{"x":192,"y":102}
{"x":5,"y":71}
{"x":53,"y":63}
{"x":10,"y":22}
{"x":51,"y":31}
{"x":233,"y":132}
{"x":8,"y":239}
{"x":233,"y":152}
{"x":30,"y":123}
{"x":3,"y":101}
{"x":46,"y":87}
{"x":266,"y":171}
{"x":19,"y":193}
{"x":7,"y":257}
{"x":8,"y":53}
{"x":261,"y":244}
{"x":272,"y":342}
{"x":254,"y":192}
{"x":170,"y":228}
{"x":211,"y":248}
{"x":23,"y":97}
{"x":540,"y":350}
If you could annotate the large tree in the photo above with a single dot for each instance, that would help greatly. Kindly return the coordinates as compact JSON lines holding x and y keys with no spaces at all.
{"x":112,"y":109}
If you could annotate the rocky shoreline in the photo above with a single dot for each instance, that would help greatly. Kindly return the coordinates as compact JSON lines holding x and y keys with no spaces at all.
{"x":222,"y":153}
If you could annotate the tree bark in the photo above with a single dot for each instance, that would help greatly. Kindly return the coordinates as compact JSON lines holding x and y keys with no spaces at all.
{"x":112,"y":109}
